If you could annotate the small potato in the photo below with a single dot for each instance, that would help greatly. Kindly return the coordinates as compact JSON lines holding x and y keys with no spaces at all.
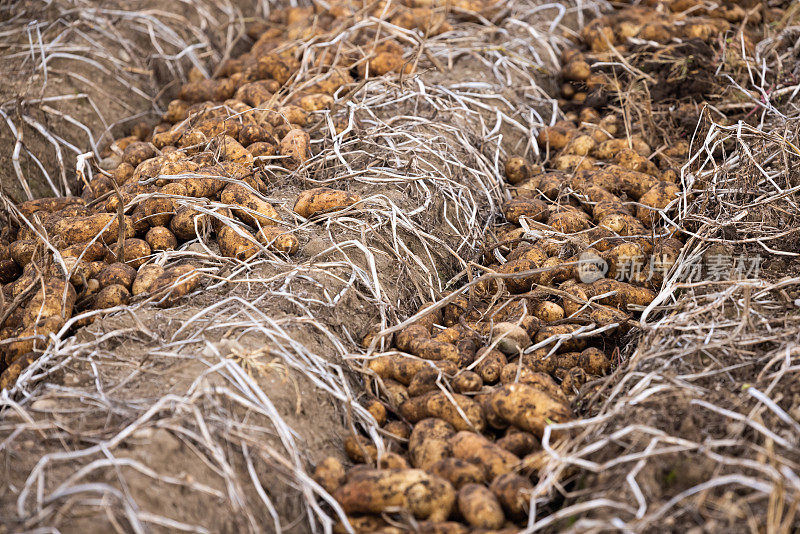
{"x":174,"y":283}
{"x":254,"y":211}
{"x":360,"y":450}
{"x":514,"y":494}
{"x":479,"y":507}
{"x":515,"y":284}
{"x":547,"y":311}
{"x":145,"y":277}
{"x":137,"y":152}
{"x":398,"y":430}
{"x":530,"y":208}
{"x":23,"y":250}
{"x":254,"y":133}
{"x":429,"y":442}
{"x":329,"y":474}
{"x":135,"y":252}
{"x":580,"y":146}
{"x":117,"y":274}
{"x":519,"y":170}
{"x":467,"y":382}
{"x":262,"y":149}
{"x":576,"y":71}
{"x":430,"y":349}
{"x":475,"y":448}
{"x":562,"y":331}
{"x":375,"y":491}
{"x":556,"y":137}
{"x":657,"y":198}
{"x":437,"y":404}
{"x":377,"y":410}
{"x":607,"y":150}
{"x":111,"y":296}
{"x":323,"y":200}
{"x":395,"y":392}
{"x":231,"y":150}
{"x":527,"y":408}
{"x":458,"y":472}
{"x":518,"y":443}
{"x":275,"y":239}
{"x":294,"y":147}
{"x":511,"y":339}
{"x":316,"y":102}
{"x":160,"y":238}
{"x":237,"y":243}
{"x":573,"y":163}
{"x":625,"y":293}
{"x":490,"y":364}
{"x":514,"y":373}
{"x":85,"y":251}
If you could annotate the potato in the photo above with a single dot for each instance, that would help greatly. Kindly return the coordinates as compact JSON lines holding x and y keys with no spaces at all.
{"x":490,"y":364}
{"x":467,"y":382}
{"x":85,"y":251}
{"x":525,"y":374}
{"x":517,"y":442}
{"x":375,"y":491}
{"x":9,"y":271}
{"x":48,"y":205}
{"x":174,"y":283}
{"x":516,"y":284}
{"x":394,"y":392}
{"x":530,"y":208}
{"x":294,"y":148}
{"x":430,"y":349}
{"x":424,"y":382}
{"x":567,"y":343}
{"x":23,"y":250}
{"x":135,"y":252}
{"x":160,"y":238}
{"x":556,"y":137}
{"x":518,"y":170}
{"x":437,"y":404}
{"x":316,"y":102}
{"x":145,"y":278}
{"x":547,"y":311}
{"x":360,"y":450}
{"x":80,"y":229}
{"x":576,"y":71}
{"x":111,"y":296}
{"x":479,"y":507}
{"x":511,"y":339}
{"x":514,"y":494}
{"x":189,"y":223}
{"x":262,"y":149}
{"x":657,"y":198}
{"x":237,"y":243}
{"x":275,"y":239}
{"x":429,"y":442}
{"x":458,"y":472}
{"x":397,"y":430}
{"x":444,"y":527}
{"x":475,"y":448}
{"x":55,"y":299}
{"x":137,"y":152}
{"x":527,"y":408}
{"x":580,"y":146}
{"x":323,"y":200}
{"x":117,"y":273}
{"x":404,"y":368}
{"x":254,"y":211}
{"x":625,"y":293}
{"x":392,"y":460}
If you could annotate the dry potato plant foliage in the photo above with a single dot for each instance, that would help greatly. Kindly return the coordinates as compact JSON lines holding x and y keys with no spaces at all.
{"x":436,"y":267}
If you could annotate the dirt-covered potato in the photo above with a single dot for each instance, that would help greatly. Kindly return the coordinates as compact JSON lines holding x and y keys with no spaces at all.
{"x":475,"y":448}
{"x":329,"y":473}
{"x":85,"y":228}
{"x":458,"y":472}
{"x":514,"y":494}
{"x":527,"y":408}
{"x":374,"y":491}
{"x":294,"y":147}
{"x":479,"y":507}
{"x":85,"y":251}
{"x":519,"y":170}
{"x":249,"y":207}
{"x":145,"y":277}
{"x":174,"y":283}
{"x":517,"y":442}
{"x":189,"y":223}
{"x":117,"y":273}
{"x":547,"y":311}
{"x":467,"y":382}
{"x":112,"y":295}
{"x":438,"y":404}
{"x":510,"y":338}
{"x":490,"y":364}
{"x":530,"y":208}
{"x":429,"y":442}
{"x":276,"y":239}
{"x":323,"y":200}
{"x":160,"y":238}
{"x":654,"y":200}
{"x":514,"y":372}
{"x":360,"y":450}
{"x":135,"y":252}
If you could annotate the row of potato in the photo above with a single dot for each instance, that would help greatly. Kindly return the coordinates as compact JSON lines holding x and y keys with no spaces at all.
{"x":464,"y":395}
{"x":204,"y":171}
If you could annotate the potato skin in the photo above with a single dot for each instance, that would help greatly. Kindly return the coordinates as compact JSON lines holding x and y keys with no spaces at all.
{"x":527,"y":408}
{"x":479,"y":507}
{"x":117,"y":273}
{"x":294,"y":148}
{"x":238,"y":243}
{"x":275,"y":239}
{"x":145,"y":278}
{"x":174,"y":283}
{"x":475,"y":448}
{"x":514,"y":493}
{"x":85,"y":228}
{"x":113,"y":295}
{"x":188,"y":223}
{"x":135,"y":252}
{"x":329,"y":474}
{"x":374,"y":491}
{"x":160,"y":238}
{"x":323,"y":200}
{"x":429,"y":442}
{"x":258,"y":212}
{"x":437,"y":404}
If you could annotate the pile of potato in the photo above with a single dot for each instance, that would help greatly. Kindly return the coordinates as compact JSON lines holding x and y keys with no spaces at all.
{"x":204,"y":170}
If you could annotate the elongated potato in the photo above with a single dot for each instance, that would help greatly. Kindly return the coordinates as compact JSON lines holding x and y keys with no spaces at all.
{"x":254,"y":211}
{"x":458,"y":472}
{"x":360,"y":450}
{"x":429,"y":442}
{"x":437,"y":404}
{"x":532,"y":209}
{"x":375,"y":491}
{"x":174,"y":283}
{"x":479,"y":507}
{"x":323,"y":200}
{"x":475,"y":448}
{"x":294,"y":148}
{"x":145,"y":277}
{"x":55,"y":299}
{"x":527,"y":408}
{"x":490,"y":365}
{"x":80,"y":229}
{"x":514,"y":494}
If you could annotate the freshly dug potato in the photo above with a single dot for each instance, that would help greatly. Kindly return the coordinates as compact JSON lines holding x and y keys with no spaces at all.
{"x":580,"y":146}
{"x":160,"y":238}
{"x":113,"y":295}
{"x":135,"y":253}
{"x":375,"y":491}
{"x":404,"y":368}
{"x":117,"y":273}
{"x":329,"y":474}
{"x":295,"y":148}
{"x":517,"y":442}
{"x":316,"y":102}
{"x":444,"y":527}
{"x":22,"y":250}
{"x":394,"y":392}
{"x":519,"y":170}
{"x":475,"y":448}
{"x":527,"y":408}
{"x":398,"y":430}
{"x":254,"y":211}
{"x":511,"y":339}
{"x":657,"y":198}
{"x":547,"y":311}
{"x":174,"y":283}
{"x":458,"y":472}
{"x":189,"y":223}
{"x":573,"y":163}
{"x":323,"y":200}
{"x":81,"y":229}
{"x":524,"y":374}
{"x":55,"y":299}
{"x":530,"y":208}
{"x":514,"y":494}
{"x":424,"y":382}
{"x":429,"y":442}
{"x":430,"y":349}
{"x":137,"y":152}
{"x":360,"y":450}
{"x":277,"y":240}
{"x":568,"y":344}
{"x":490,"y":364}
{"x":556,"y":137}
{"x":479,"y":507}
{"x":437,"y":404}
{"x":10,"y":375}
{"x":625,"y":293}
{"x":48,"y":205}
{"x":145,"y":277}
{"x":85,"y":251}
{"x":467,"y":382}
